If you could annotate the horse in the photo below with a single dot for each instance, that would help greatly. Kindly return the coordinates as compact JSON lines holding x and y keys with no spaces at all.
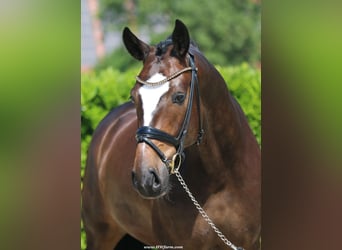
{"x":177,"y":166}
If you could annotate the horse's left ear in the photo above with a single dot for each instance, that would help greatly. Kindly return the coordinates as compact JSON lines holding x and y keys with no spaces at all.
{"x":180,"y":39}
{"x":137,"y":48}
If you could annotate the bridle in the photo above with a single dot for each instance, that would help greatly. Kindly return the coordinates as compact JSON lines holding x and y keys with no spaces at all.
{"x":145,"y":134}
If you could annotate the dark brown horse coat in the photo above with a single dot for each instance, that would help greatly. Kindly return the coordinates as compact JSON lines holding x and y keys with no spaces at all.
{"x":223,"y":172}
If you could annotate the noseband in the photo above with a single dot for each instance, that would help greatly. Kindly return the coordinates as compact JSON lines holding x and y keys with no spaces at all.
{"x":147,"y":133}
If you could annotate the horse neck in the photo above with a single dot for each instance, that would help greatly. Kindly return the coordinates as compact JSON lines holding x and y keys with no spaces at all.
{"x":228,"y":137}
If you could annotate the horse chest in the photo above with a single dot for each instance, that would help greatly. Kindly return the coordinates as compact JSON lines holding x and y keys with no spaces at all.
{"x":180,"y":222}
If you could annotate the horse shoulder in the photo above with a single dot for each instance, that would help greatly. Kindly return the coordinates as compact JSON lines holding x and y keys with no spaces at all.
{"x":99,"y":152}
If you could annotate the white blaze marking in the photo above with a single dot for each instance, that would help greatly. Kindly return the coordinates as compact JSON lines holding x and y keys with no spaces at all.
{"x":150,"y":96}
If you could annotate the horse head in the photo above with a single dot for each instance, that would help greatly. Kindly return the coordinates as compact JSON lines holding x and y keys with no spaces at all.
{"x":165,"y":95}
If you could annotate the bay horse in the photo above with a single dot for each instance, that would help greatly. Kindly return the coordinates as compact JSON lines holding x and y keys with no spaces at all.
{"x":182,"y":135}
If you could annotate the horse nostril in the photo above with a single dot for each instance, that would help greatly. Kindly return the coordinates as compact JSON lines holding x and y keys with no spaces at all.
{"x":134,"y":179}
{"x":155,"y":180}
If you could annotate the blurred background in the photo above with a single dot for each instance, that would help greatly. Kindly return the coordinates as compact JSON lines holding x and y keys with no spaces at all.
{"x":227,"y":31}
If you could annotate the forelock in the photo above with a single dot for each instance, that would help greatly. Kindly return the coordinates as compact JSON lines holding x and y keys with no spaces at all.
{"x":162,"y":46}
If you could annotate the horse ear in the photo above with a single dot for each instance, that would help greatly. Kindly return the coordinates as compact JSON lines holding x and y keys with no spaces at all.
{"x":180,"y":39}
{"x":137,"y":48}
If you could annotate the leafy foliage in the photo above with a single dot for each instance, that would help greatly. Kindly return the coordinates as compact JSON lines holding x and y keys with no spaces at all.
{"x":101,"y":92}
{"x":118,"y":59}
{"x":228,"y":31}
{"x":244,"y":83}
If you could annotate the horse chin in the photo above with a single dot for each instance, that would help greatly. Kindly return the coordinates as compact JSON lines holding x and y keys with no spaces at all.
{"x":153,"y":197}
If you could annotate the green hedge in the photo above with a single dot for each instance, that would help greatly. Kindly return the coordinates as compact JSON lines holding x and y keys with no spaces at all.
{"x":244,"y":82}
{"x":103,"y":91}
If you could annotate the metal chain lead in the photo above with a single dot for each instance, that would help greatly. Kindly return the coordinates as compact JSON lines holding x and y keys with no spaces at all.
{"x":204,"y":214}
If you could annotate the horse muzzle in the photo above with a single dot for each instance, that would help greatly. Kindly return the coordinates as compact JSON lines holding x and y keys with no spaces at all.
{"x":150,"y":183}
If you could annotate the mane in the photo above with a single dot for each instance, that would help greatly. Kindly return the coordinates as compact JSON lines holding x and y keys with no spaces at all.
{"x":162,"y":46}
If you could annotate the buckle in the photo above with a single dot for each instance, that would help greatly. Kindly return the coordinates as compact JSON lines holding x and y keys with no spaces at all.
{"x":175,"y":163}
{"x":200,"y":137}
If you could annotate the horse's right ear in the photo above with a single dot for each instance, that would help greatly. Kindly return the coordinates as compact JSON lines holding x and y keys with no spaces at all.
{"x":137,"y":48}
{"x":180,"y":38}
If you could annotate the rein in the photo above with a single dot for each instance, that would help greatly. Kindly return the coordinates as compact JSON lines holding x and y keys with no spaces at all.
{"x":146,"y":133}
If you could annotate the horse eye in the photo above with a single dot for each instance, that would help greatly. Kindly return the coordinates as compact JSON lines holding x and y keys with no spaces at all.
{"x":178,"y":98}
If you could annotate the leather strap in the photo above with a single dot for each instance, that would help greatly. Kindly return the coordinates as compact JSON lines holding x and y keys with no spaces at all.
{"x":157,"y":134}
